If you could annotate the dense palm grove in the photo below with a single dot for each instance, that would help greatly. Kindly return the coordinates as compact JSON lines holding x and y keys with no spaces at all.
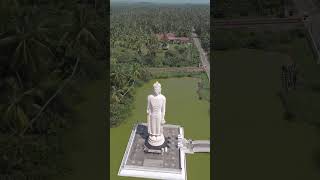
{"x":243,"y":8}
{"x":45,"y":49}
{"x":134,"y":46}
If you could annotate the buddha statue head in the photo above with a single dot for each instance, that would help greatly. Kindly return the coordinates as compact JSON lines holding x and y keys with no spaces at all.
{"x":157,"y":88}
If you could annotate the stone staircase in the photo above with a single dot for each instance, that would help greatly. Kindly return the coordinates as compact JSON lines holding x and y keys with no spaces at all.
{"x":193,"y":146}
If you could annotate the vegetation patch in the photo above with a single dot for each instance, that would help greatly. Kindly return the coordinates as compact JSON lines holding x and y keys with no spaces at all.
{"x":252,"y":8}
{"x":255,"y":39}
{"x":300,"y":102}
{"x":204,"y":87}
{"x":135,"y":47}
{"x":45,"y":50}
{"x":249,"y":110}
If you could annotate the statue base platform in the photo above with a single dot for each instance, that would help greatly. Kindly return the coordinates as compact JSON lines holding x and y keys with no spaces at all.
{"x":155,"y":149}
{"x":156,"y":141}
{"x":161,"y":162}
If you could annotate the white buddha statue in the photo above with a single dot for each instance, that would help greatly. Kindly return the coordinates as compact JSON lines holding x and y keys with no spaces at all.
{"x":156,"y":111}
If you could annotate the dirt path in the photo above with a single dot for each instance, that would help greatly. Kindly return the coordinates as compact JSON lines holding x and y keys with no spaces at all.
{"x":176,"y":69}
{"x":203,"y":56}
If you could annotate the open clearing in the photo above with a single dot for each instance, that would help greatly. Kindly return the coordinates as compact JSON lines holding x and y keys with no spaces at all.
{"x":249,"y":127}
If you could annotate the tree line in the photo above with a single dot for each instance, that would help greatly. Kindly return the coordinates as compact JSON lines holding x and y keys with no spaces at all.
{"x":254,"y":8}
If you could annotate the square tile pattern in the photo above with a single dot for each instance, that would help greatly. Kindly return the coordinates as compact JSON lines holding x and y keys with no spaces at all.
{"x":169,"y":160}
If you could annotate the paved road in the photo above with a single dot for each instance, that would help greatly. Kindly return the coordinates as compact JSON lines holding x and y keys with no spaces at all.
{"x":201,"y":146}
{"x":313,"y":21}
{"x":203,"y":56}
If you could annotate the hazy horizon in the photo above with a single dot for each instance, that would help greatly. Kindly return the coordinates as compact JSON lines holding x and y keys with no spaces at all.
{"x":165,"y":1}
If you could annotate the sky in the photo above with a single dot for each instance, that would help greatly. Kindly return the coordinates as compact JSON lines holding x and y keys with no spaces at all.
{"x":167,"y":1}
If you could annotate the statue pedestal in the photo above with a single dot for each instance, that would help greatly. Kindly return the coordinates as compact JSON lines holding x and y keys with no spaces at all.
{"x":156,"y":140}
{"x":156,"y":162}
{"x":157,"y":147}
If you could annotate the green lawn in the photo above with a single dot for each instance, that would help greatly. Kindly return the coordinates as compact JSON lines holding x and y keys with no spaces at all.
{"x":85,"y":143}
{"x":204,"y":91}
{"x":183,"y":108}
{"x":252,"y":140}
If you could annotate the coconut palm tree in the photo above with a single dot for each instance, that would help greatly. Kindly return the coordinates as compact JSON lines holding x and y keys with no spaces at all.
{"x":117,"y":76}
{"x":80,"y":40}
{"x":80,"y":32}
{"x":29,"y":41}
{"x":8,"y":8}
{"x":21,"y":105}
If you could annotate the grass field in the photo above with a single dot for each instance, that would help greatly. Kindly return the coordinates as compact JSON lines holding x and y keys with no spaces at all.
{"x":85,"y":144}
{"x":252,"y":140}
{"x":204,"y":91}
{"x":183,"y":108}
